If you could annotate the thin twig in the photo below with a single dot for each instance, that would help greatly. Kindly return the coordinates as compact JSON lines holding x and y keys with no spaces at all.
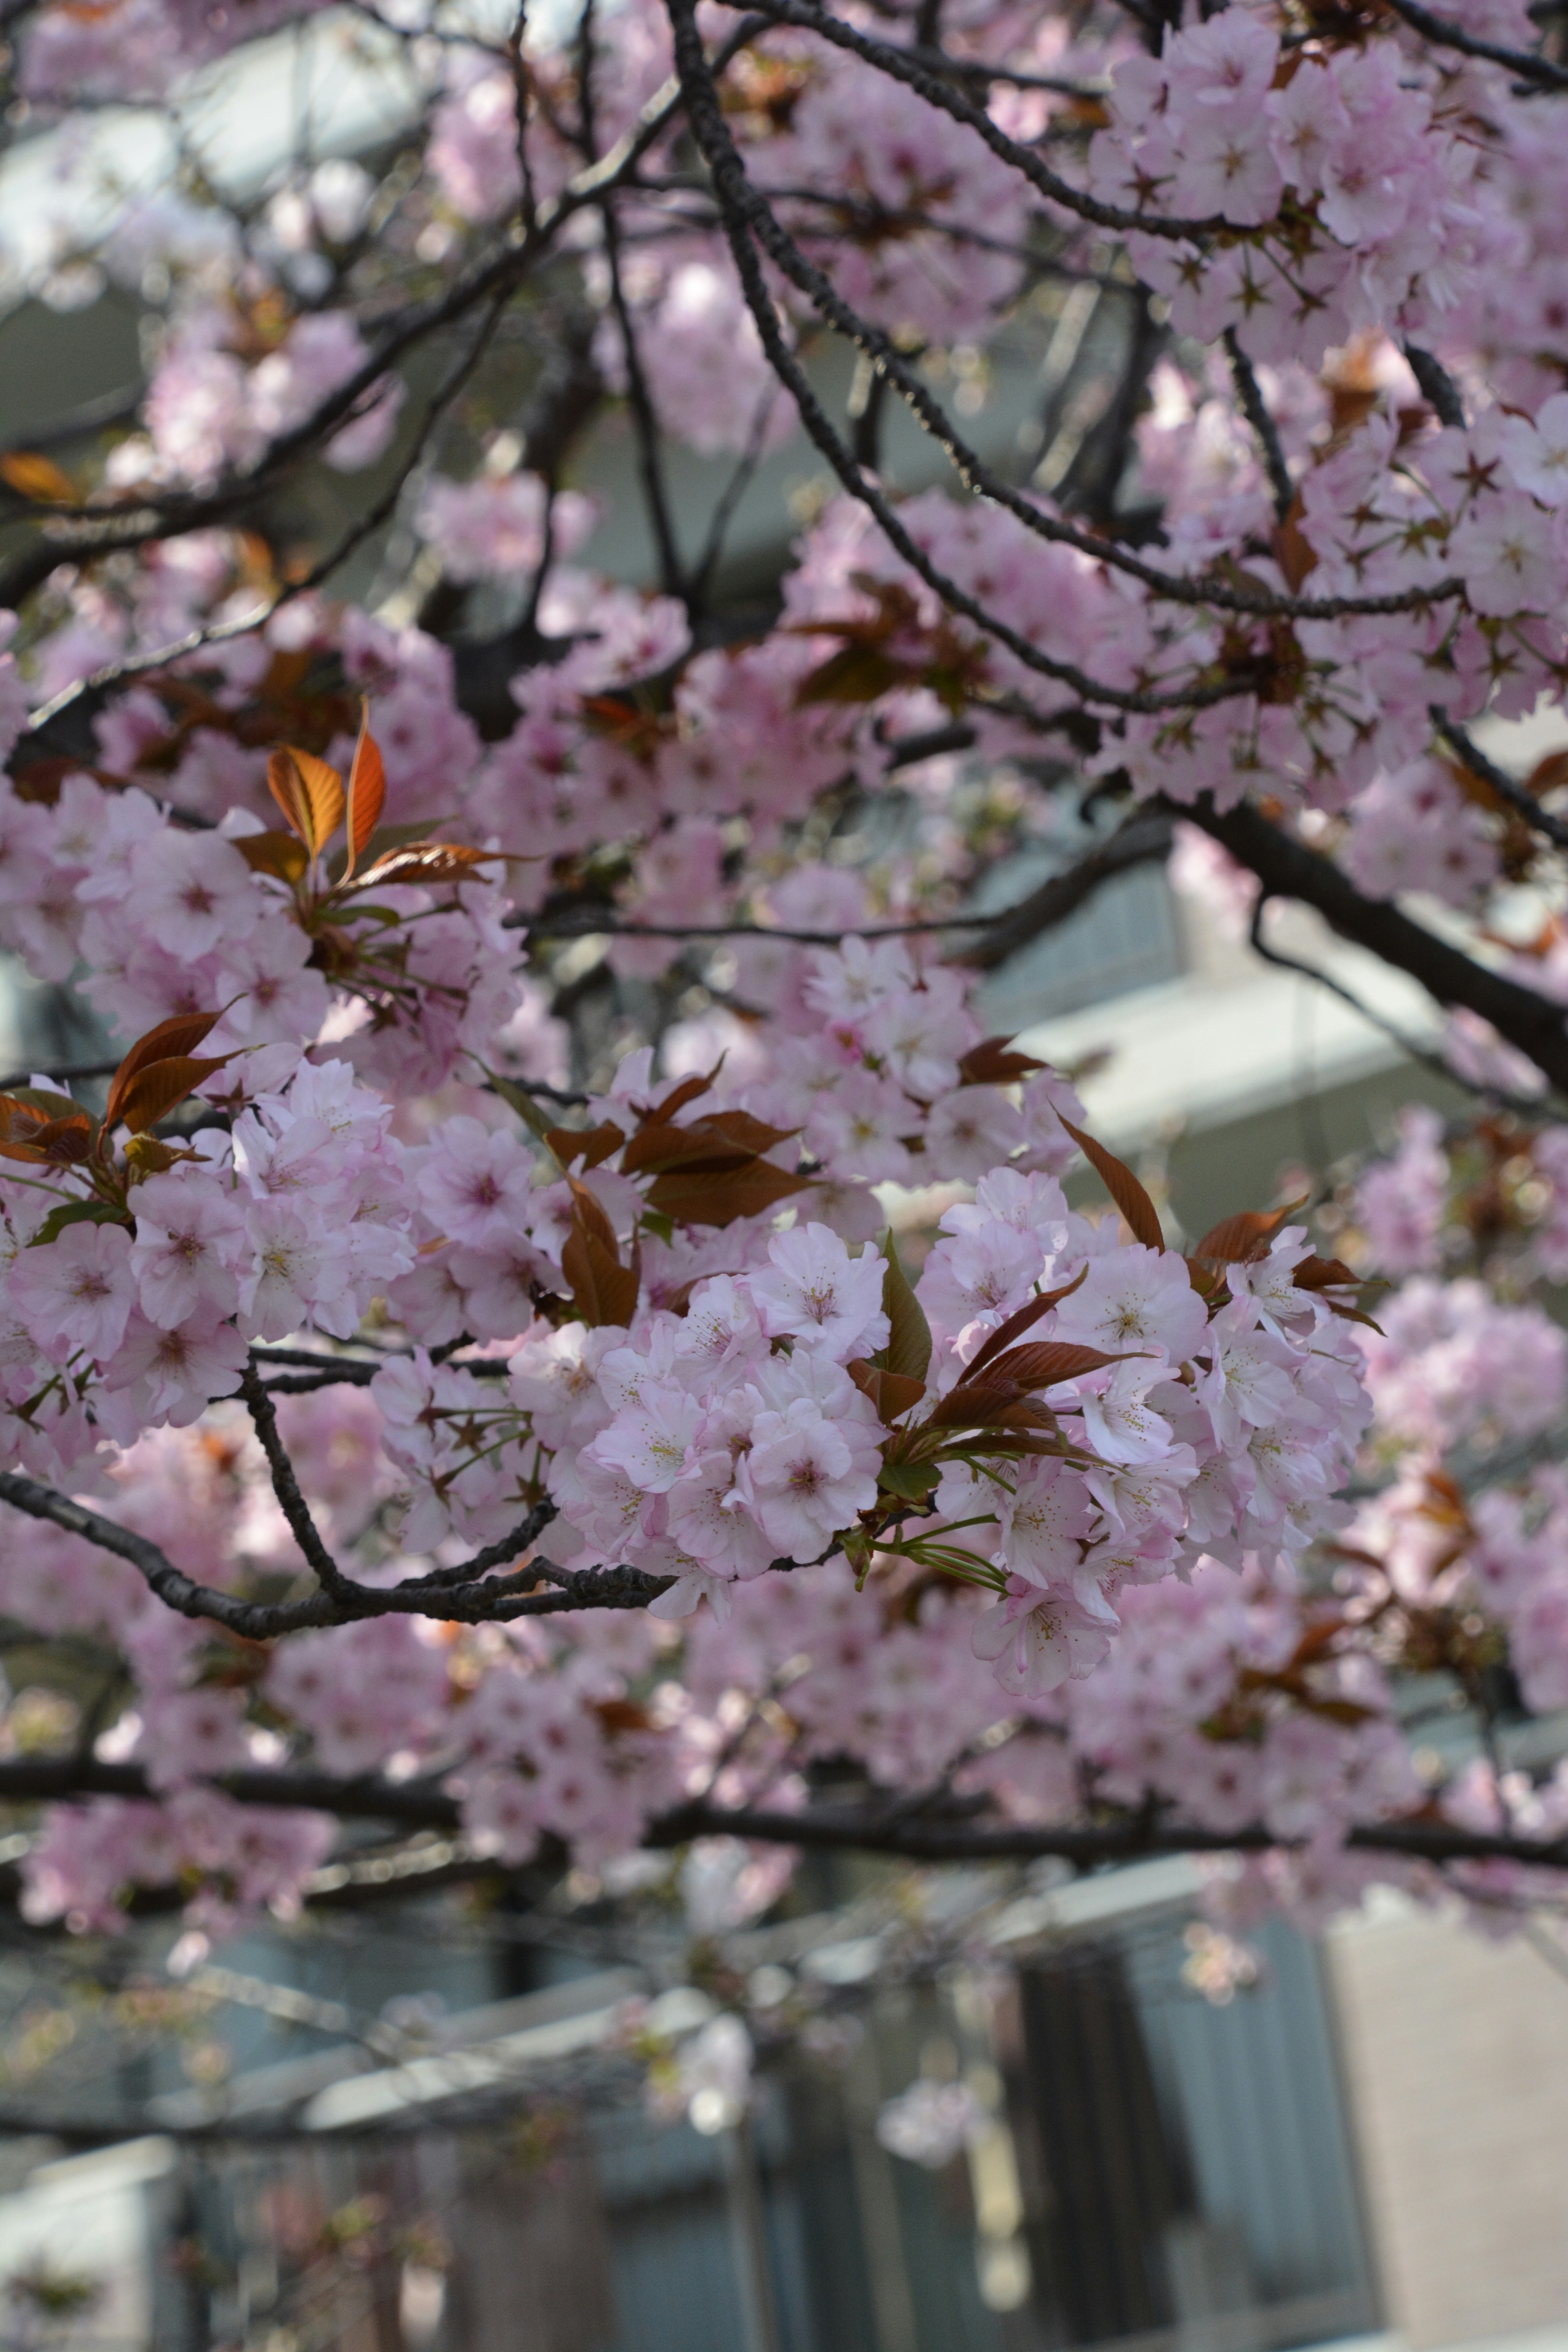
{"x":1468,"y":751}
{"x":1288,"y":870}
{"x":1437,"y":386}
{"x":748,"y":217}
{"x":1449,"y":35}
{"x":1391,"y":1029}
{"x":1265,"y":431}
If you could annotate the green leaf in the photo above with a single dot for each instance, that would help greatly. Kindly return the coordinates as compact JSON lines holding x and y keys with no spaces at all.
{"x":913,"y":1481}
{"x":907,"y":1352}
{"x":75,"y":1213}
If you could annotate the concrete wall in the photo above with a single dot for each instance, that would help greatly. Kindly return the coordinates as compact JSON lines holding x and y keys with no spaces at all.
{"x":1455,"y":2057}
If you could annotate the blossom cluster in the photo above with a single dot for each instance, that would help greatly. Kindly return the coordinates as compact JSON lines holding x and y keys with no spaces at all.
{"x":533,"y":986}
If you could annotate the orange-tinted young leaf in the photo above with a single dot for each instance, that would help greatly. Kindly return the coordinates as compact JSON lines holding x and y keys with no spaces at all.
{"x":1017,"y":1324}
{"x":591,"y":1144}
{"x":287,"y":787}
{"x":32,"y":476}
{"x":41,"y":1126}
{"x":25,"y":1107}
{"x":699,"y":1197}
{"x":892,"y":1394}
{"x":1123,"y":1187}
{"x":1244,"y":1238}
{"x":308,"y":793}
{"x":431,"y":862}
{"x":181,"y":1033}
{"x":367,"y":791}
{"x":273,"y":852}
{"x":995,"y":1062}
{"x":154,"y":1091}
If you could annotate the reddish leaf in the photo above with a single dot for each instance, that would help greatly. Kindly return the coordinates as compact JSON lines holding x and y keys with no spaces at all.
{"x":724,"y":1140}
{"x":589,"y":1211}
{"x":273,"y":852}
{"x":740,"y":1127}
{"x":687,"y":1091}
{"x":367,"y":791}
{"x":1044,"y":1362}
{"x":1324,"y":1274}
{"x":856,"y":673}
{"x":602,"y":1289}
{"x":1209,"y":1282}
{"x":182,"y":1034}
{"x":619,"y":1715}
{"x":1547,"y":775}
{"x":973,"y":1406}
{"x":65,"y":1143}
{"x":1123,"y":1187}
{"x":1017,"y":1324}
{"x":308,"y":793}
{"x":154,"y":1091}
{"x":654,"y":1149}
{"x":591,"y":1144}
{"x":892,"y":1394}
{"x":697,"y":1197}
{"x":1244,"y":1238}
{"x":995,"y":1062}
{"x":1293,"y":551}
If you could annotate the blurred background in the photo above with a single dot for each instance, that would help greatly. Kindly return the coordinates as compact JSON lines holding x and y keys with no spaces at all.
{"x":971,"y":2111}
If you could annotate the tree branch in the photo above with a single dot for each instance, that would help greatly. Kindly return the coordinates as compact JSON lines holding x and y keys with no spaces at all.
{"x":490,"y":1603}
{"x":82,"y":538}
{"x":1437,"y":386}
{"x":748,"y":215}
{"x":1288,"y":869}
{"x":1141,"y":839}
{"x":1522,"y":803}
{"x":863,"y":1827}
{"x":1446,"y":35}
{"x":1266,"y":433}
